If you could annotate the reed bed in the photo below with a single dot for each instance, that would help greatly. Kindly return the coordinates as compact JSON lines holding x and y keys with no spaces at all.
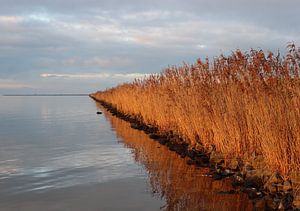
{"x":244,"y":104}
{"x":182,"y":186}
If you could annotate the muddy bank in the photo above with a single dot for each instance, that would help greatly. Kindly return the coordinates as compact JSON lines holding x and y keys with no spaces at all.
{"x":266,"y":189}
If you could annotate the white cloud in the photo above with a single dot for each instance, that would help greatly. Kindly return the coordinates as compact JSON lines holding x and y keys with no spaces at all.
{"x":13,"y":84}
{"x":201,"y":46}
{"x":42,"y":17}
{"x":94,"y":75}
{"x":10,"y":19}
{"x":148,"y":15}
{"x":121,"y":37}
{"x":107,"y":62}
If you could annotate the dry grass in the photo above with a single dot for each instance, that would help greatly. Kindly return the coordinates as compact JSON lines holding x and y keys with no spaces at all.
{"x":244,"y":104}
{"x":182,"y":186}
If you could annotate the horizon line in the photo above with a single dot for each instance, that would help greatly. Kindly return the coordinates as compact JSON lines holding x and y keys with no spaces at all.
{"x":52,"y":94}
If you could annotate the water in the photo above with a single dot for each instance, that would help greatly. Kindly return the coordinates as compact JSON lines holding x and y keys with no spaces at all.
{"x":57,"y":154}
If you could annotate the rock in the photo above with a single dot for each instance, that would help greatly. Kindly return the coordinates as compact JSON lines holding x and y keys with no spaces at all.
{"x":162,"y":141}
{"x":248,"y":170}
{"x":190,"y":162}
{"x":273,"y":183}
{"x":266,"y":174}
{"x":179,"y":149}
{"x":199,"y":147}
{"x":287,"y":186}
{"x":182,"y":155}
{"x":253,"y":182}
{"x":135,"y":126}
{"x":154,"y":136}
{"x":253,"y":193}
{"x":211,"y":148}
{"x":270,"y":203}
{"x":271,"y":188}
{"x":247,"y":167}
{"x":172,"y":147}
{"x":191,"y":154}
{"x":202,"y":160}
{"x":217,"y":176}
{"x":234,"y":164}
{"x":287,"y":201}
{"x":227,"y":173}
{"x":280,"y":206}
{"x":216,"y":158}
{"x":237,"y":180}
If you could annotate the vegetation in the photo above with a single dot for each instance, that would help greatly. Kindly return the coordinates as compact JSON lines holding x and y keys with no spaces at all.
{"x":243,"y":104}
{"x":182,"y":186}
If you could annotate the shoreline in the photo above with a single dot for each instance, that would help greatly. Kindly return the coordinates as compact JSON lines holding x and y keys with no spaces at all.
{"x":267,"y":190}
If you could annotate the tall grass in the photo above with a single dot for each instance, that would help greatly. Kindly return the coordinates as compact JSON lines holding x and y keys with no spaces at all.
{"x":243,"y":104}
{"x":182,"y":186}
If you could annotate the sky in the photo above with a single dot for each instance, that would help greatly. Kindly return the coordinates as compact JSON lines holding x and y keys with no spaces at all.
{"x":81,"y":46}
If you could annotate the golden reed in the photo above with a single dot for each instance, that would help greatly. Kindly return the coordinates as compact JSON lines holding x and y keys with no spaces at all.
{"x":183,"y":187}
{"x":244,"y":104}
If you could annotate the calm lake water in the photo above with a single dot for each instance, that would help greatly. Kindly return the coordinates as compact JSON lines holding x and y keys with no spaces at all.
{"x":57,"y":154}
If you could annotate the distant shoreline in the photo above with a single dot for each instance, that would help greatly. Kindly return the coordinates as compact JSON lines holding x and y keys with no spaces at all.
{"x":41,"y":95}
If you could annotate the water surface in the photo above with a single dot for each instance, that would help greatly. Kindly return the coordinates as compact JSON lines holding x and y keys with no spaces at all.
{"x":57,"y":154}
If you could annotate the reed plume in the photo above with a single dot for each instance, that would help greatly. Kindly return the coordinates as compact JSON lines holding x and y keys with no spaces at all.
{"x":243,"y":104}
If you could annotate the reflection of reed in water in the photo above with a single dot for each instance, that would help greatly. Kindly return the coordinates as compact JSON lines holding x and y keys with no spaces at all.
{"x":183,"y":187}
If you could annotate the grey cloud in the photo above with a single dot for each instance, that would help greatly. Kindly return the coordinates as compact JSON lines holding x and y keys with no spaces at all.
{"x":92,"y":76}
{"x":142,"y":36}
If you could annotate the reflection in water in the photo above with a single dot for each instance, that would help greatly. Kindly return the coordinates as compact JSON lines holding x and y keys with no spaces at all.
{"x":183,"y":187}
{"x":57,"y":154}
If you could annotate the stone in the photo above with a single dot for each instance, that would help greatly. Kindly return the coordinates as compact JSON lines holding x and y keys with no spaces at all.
{"x":182,"y":155}
{"x":270,"y":203}
{"x":191,"y":154}
{"x":211,"y":148}
{"x":280,"y":207}
{"x":227,"y":173}
{"x":253,"y":182}
{"x":237,"y":180}
{"x":162,"y":141}
{"x":233,"y":164}
{"x":252,"y":193}
{"x":199,"y":147}
{"x":248,"y":170}
{"x":274,"y":183}
{"x":287,"y":186}
{"x":216,"y":157}
{"x":134,"y":126}
{"x":287,"y":201}
{"x":217,"y":176}
{"x":154,"y":136}
{"x":205,"y":159}
{"x":190,"y":162}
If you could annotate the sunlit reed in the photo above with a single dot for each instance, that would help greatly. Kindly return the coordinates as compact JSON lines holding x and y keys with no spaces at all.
{"x":244,"y":104}
{"x":183,"y":187}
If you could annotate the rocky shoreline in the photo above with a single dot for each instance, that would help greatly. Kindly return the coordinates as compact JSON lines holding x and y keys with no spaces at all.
{"x":267,"y":190}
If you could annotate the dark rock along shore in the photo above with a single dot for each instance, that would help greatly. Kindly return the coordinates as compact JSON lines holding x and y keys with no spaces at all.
{"x":267,"y":190}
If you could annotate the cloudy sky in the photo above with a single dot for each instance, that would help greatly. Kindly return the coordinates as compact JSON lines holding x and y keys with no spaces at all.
{"x":79,"y":46}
